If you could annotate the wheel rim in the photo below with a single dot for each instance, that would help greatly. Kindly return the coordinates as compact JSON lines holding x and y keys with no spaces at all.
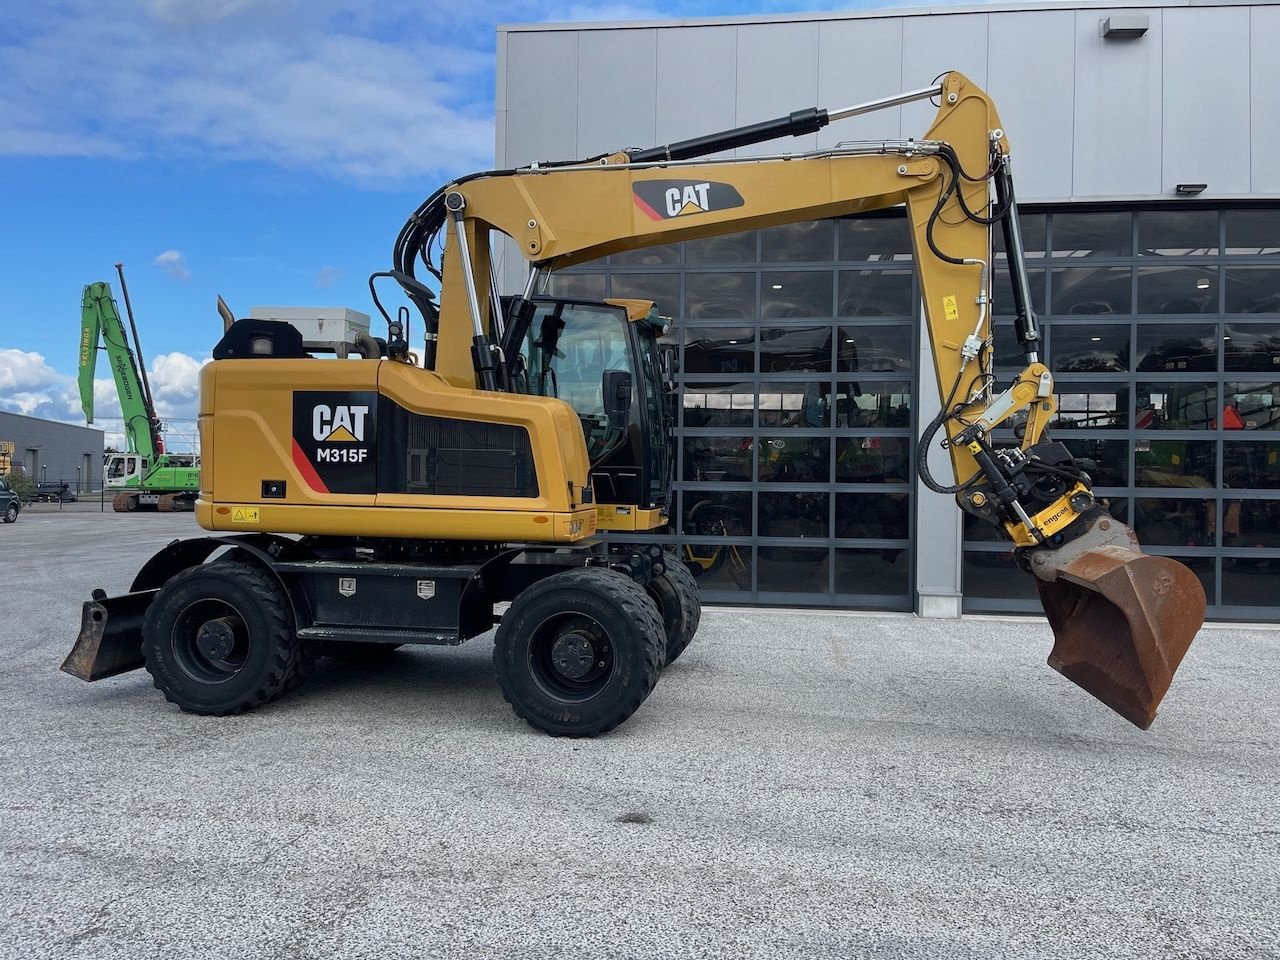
{"x":11,"y":514}
{"x":210,"y":641}
{"x":571,"y":657}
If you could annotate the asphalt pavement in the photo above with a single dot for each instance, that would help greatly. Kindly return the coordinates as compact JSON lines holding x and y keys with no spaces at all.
{"x":801,"y":785}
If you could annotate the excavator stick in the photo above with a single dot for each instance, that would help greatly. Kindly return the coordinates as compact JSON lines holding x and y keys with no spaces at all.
{"x":1122,"y":620}
{"x":110,"y":640}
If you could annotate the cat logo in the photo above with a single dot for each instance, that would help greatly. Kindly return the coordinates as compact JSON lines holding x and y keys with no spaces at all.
{"x":343,"y":423}
{"x":668,"y":199}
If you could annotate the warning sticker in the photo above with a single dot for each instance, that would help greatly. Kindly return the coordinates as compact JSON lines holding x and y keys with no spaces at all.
{"x":950,"y":308}
{"x":244,"y":515}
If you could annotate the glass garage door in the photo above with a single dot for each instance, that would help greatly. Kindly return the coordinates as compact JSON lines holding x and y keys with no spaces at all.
{"x":1163,"y":334}
{"x":797,"y":406}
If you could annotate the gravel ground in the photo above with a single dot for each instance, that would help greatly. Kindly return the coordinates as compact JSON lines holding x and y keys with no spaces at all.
{"x":799,"y":785}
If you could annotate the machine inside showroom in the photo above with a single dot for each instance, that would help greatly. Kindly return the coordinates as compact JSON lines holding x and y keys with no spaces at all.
{"x":397,"y":499}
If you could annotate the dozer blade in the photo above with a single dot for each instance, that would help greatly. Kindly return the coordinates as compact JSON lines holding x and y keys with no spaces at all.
{"x":110,"y":640}
{"x":1122,"y":619}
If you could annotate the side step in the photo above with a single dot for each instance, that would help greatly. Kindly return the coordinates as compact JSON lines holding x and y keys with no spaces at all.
{"x":348,"y":634}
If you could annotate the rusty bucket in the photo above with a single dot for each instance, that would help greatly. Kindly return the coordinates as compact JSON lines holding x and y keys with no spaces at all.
{"x":1122,"y":620}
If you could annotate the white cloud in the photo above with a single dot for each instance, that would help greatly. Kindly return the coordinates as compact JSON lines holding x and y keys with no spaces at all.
{"x":29,"y":385}
{"x":322,"y":85}
{"x":327,"y":277}
{"x":174,"y":264}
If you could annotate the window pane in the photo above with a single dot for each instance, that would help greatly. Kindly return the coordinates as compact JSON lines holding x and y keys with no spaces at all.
{"x":794,"y":515}
{"x":719,"y":566}
{"x":1180,"y":405}
{"x":880,"y":572}
{"x":1092,"y":349}
{"x":874,"y":349}
{"x":876,"y":293}
{"x":712,"y":459}
{"x":1032,"y":225}
{"x":873,"y":459}
{"x":795,"y":459}
{"x":716,"y":514}
{"x":873,"y":516}
{"x":1251,"y":466}
{"x":719,"y":404}
{"x":1002,"y":293}
{"x":577,"y":286}
{"x":649,"y":256}
{"x":719,"y":296}
{"x":1092,"y":234}
{"x":797,"y":404}
{"x":1251,"y":523}
{"x":719,"y":350}
{"x":1177,"y":348}
{"x":1092,"y":406}
{"x":1252,"y":406}
{"x":1178,"y":523}
{"x":810,"y":241}
{"x":795,"y":349}
{"x":872,"y":404}
{"x":1176,"y":463}
{"x":1177,"y":233}
{"x":793,"y":569}
{"x":1092,"y":291}
{"x":1253,"y":290}
{"x":1253,"y":232}
{"x":1177,"y":290}
{"x":994,"y":576}
{"x":1252,"y":346}
{"x":662,"y":288}
{"x":1249,"y":581}
{"x":874,"y":238}
{"x":1106,"y":461}
{"x":795,"y":293}
{"x":735,"y":248}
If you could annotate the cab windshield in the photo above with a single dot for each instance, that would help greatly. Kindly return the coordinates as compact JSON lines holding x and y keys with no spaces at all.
{"x":568,"y":348}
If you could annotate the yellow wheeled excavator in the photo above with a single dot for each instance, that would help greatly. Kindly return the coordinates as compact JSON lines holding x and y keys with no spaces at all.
{"x":385,"y":500}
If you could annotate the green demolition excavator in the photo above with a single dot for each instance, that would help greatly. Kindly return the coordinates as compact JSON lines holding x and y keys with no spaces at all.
{"x":144,"y":477}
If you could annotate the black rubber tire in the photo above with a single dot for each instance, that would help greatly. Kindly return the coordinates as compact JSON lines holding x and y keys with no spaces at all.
{"x":11,"y":514}
{"x":273,"y":657}
{"x":350,"y":651}
{"x":689,"y":600}
{"x":633,"y":644}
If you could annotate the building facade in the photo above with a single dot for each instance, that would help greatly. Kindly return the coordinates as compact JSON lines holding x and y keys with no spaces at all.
{"x":1151,"y":216}
{"x":48,"y":450}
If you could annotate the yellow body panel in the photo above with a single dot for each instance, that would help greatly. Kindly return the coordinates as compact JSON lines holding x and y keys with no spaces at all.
{"x":617,"y":517}
{"x":246,"y":433}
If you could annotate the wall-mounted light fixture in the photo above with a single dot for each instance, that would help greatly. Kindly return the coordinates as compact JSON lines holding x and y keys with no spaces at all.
{"x":1190,"y":189}
{"x":1124,"y":26}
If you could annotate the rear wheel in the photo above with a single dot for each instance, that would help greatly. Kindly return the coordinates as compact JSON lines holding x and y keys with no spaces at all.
{"x":679,"y":605}
{"x":11,"y":513}
{"x":219,"y":639}
{"x":577,"y":653}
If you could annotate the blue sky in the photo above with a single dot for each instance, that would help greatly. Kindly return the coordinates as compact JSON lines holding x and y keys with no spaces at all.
{"x":267,"y":150}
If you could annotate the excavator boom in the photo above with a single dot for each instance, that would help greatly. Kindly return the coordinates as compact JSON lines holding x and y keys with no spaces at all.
{"x":1122,"y":619}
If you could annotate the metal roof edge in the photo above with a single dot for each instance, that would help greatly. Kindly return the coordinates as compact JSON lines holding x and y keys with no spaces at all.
{"x":881,"y":13}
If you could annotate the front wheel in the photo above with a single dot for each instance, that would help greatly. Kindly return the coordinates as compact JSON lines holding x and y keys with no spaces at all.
{"x":219,"y":639}
{"x":675,"y":593}
{"x":11,"y":514}
{"x":578,"y":652}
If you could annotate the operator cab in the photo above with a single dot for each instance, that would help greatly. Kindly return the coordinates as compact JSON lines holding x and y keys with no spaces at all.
{"x":124,"y":469}
{"x":603,"y":359}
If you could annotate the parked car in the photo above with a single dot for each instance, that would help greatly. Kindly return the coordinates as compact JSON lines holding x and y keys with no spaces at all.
{"x":53,"y":492}
{"x":9,"y":505}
